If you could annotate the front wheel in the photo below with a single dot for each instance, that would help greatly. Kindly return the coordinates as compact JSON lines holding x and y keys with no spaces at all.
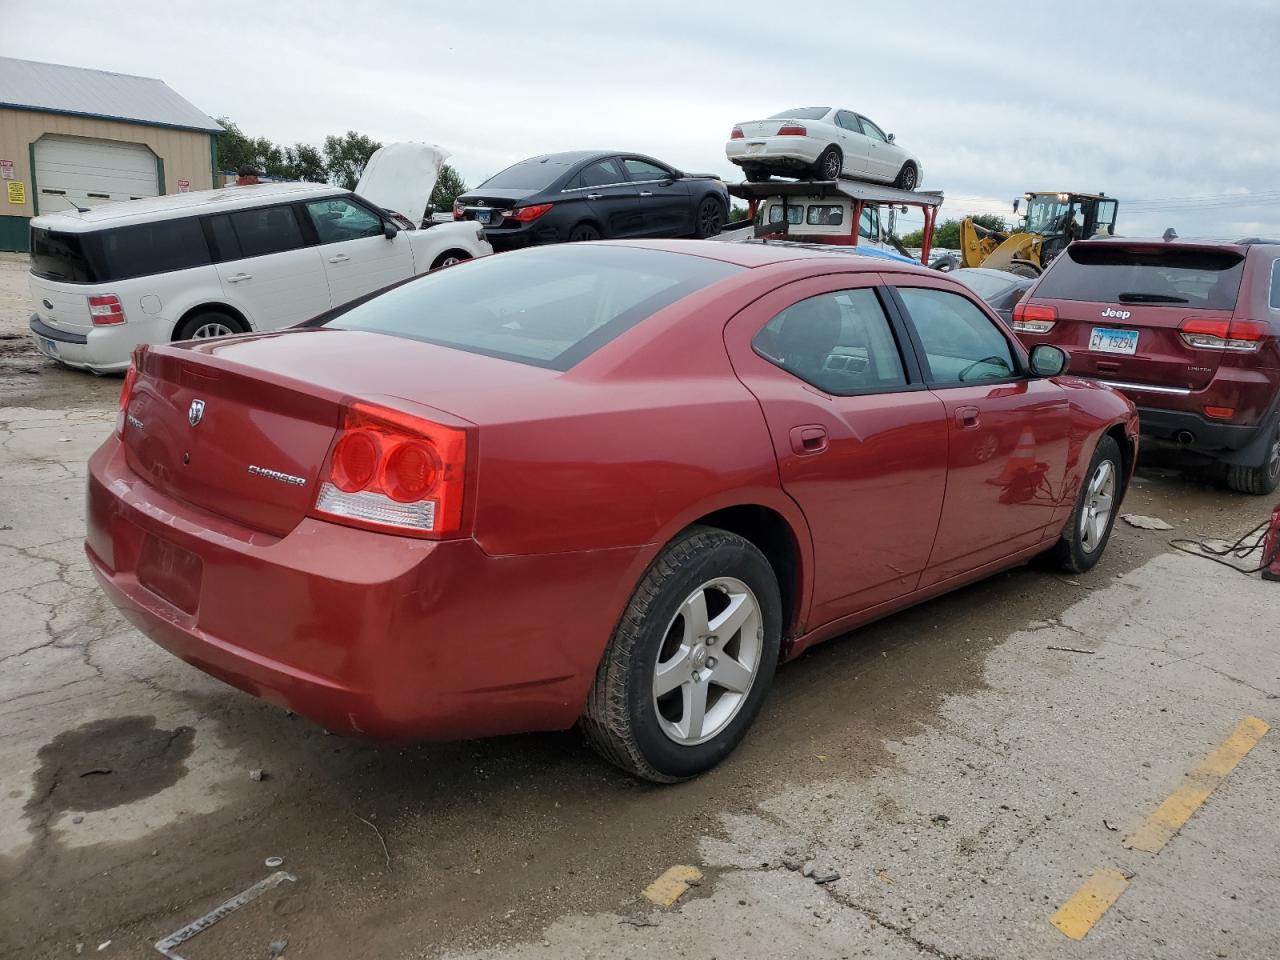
{"x":449,"y":258}
{"x":1085,"y":536}
{"x":908,"y":177}
{"x":1264,"y":478}
{"x":710,"y":218}
{"x":691,"y":661}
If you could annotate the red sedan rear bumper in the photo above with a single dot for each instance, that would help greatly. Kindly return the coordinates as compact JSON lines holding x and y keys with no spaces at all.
{"x":382,"y":636}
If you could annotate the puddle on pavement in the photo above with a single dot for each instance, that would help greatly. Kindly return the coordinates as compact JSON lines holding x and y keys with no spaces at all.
{"x":109,"y":763}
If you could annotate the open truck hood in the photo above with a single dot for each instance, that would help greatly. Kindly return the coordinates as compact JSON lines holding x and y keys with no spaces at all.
{"x":400,"y":177}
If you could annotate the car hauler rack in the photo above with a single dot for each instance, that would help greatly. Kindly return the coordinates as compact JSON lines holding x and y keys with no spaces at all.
{"x":817,"y":226}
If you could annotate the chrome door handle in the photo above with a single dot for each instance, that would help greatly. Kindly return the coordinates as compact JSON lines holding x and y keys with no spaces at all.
{"x":239,"y":277}
{"x":646,"y":193}
{"x":339,"y":258}
{"x":594,"y":196}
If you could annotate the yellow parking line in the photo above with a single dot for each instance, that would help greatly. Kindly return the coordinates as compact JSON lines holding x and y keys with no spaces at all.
{"x":668,"y":888}
{"x":1171,"y":815}
{"x":1086,"y":906}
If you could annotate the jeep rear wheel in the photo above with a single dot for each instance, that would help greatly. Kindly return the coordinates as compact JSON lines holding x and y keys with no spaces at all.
{"x":1263,"y":478}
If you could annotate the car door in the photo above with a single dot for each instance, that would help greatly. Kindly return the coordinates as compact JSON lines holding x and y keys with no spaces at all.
{"x":883,"y":158}
{"x":612,"y":200}
{"x":856,"y":147}
{"x":267,"y":267}
{"x":666,"y":206}
{"x":358,"y":256}
{"x":1008,"y":431}
{"x":861,"y":442}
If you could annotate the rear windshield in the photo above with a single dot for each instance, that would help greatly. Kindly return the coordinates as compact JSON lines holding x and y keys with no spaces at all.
{"x":802,"y":113}
{"x":549,"y":306}
{"x":534,"y":174}
{"x":160,"y":246}
{"x":1160,"y":276}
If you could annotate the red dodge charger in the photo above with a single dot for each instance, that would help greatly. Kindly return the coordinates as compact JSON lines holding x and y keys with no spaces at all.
{"x":607,"y":483}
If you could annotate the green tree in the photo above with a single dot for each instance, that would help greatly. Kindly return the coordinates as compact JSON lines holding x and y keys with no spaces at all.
{"x":449,"y":187}
{"x":345,"y":157}
{"x":947,"y":234}
{"x":304,"y":162}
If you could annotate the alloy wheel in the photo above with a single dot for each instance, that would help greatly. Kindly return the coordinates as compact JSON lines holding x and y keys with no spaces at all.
{"x":831,"y":166}
{"x":709,"y":219}
{"x":1099,"y":500}
{"x":909,"y":178}
{"x":213,"y":328}
{"x":709,"y":658}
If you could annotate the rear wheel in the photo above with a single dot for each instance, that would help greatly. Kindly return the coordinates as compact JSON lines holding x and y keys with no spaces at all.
{"x":1085,"y":536}
{"x":208,"y":324}
{"x":691,"y":660}
{"x":710,"y":219}
{"x":908,"y":177}
{"x":1263,"y":478}
{"x":583,"y":232}
{"x":830,"y":164}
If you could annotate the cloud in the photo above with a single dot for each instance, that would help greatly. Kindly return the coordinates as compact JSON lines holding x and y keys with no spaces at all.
{"x":1142,"y":101}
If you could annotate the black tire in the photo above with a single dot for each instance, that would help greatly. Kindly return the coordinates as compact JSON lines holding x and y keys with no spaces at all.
{"x":830,"y":164}
{"x":1021,"y":268}
{"x":200,"y":325}
{"x":756,"y":175}
{"x":449,"y":258}
{"x":622,"y":719}
{"x":583,"y":232}
{"x":945,"y":264}
{"x":710,"y":218}
{"x":1264,"y":478}
{"x":1070,"y":553}
{"x":908,"y":177}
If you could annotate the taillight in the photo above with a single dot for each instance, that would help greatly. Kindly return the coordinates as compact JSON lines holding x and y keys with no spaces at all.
{"x":737,"y":134}
{"x":126,"y":390}
{"x":792,"y":130}
{"x":1034,"y":318}
{"x":457,"y":210}
{"x":394,"y":472}
{"x":1238,"y":335}
{"x":525,"y":214}
{"x":105,"y":310}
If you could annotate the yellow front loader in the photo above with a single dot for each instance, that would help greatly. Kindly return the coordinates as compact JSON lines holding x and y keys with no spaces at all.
{"x":1051,"y":222}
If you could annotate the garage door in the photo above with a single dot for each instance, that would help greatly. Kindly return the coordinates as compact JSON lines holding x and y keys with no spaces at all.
{"x":72,"y":171}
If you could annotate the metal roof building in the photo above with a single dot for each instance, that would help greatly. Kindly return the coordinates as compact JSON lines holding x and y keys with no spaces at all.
{"x":76,"y":137}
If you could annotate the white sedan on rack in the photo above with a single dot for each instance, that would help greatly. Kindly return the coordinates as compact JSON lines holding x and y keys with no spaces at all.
{"x":822,"y":142}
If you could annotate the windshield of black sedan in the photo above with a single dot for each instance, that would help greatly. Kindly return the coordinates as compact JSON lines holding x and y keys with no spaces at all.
{"x":549,"y":306}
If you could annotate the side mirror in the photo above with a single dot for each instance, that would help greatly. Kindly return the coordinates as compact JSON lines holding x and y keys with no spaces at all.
{"x":389,"y":229}
{"x":1048,"y":360}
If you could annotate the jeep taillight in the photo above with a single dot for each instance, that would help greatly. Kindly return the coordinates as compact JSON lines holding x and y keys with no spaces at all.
{"x":105,"y":310}
{"x":792,"y":130}
{"x":1238,"y":335}
{"x":1034,"y":318}
{"x":394,"y":472}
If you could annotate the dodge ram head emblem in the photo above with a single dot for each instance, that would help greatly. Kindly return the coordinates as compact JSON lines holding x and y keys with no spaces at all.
{"x":196,"y":412}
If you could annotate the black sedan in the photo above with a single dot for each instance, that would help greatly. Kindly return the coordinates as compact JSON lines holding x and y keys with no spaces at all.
{"x":1002,"y":290}
{"x":587,"y":195}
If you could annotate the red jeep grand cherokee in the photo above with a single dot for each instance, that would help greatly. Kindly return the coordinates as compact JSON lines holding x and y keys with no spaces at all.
{"x":1189,"y":330}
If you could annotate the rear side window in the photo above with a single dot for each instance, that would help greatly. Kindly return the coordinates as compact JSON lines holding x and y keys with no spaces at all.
{"x":549,"y":306}
{"x":599,"y":174}
{"x":1105,"y":272}
{"x":65,"y":257}
{"x":266,"y":230}
{"x":840,"y":343}
{"x":157,"y":247}
{"x":961,"y":343}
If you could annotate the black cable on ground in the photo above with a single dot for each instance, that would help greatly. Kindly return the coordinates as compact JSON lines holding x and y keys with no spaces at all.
{"x":1240,"y":550}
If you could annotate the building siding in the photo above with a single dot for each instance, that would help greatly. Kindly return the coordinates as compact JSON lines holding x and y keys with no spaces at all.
{"x":183,"y":155}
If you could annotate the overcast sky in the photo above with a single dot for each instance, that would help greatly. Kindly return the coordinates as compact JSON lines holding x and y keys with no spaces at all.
{"x":1173,"y":103}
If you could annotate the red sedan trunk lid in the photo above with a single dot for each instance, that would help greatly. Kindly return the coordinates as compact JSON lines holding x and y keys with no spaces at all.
{"x":241,"y":427}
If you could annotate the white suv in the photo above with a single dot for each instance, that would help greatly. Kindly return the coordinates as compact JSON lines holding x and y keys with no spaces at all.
{"x":218,"y":262}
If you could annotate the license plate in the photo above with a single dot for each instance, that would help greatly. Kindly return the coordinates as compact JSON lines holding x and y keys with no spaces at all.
{"x":50,"y":347}
{"x":755,"y":148}
{"x":1106,"y":340}
{"x":170,"y":572}
{"x":482,"y":216}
